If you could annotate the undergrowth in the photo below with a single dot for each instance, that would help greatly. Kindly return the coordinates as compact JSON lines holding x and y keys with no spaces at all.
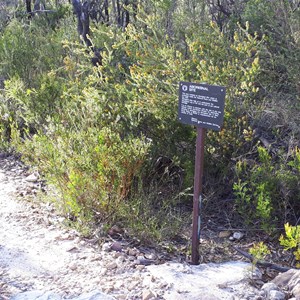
{"x":107,"y":136}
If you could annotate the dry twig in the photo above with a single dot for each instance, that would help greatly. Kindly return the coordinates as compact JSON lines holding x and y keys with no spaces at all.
{"x":262,"y":263}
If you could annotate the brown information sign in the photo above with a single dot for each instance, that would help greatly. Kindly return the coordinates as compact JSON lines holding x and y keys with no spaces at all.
{"x":201,"y":105}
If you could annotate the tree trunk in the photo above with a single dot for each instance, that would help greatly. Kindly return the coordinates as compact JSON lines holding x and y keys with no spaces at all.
{"x":28,"y":8}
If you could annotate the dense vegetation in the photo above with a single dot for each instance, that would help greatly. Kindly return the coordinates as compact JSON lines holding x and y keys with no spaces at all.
{"x":96,"y":110}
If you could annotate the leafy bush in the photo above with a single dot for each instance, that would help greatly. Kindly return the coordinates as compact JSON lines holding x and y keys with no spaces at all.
{"x":291,"y":240}
{"x":267,"y":192}
{"x":32,"y":77}
{"x":97,"y":132}
{"x":259,"y":251}
{"x":142,"y":67}
{"x":93,"y":126}
{"x":94,"y":169}
{"x":26,"y":51}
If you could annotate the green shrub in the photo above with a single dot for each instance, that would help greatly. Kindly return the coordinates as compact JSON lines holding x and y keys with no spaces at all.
{"x":93,"y":125}
{"x":95,"y":131}
{"x":26,"y":51}
{"x":32,"y":74}
{"x":259,"y":251}
{"x":142,"y":68}
{"x":31,"y":107}
{"x":291,"y":240}
{"x":267,"y":191}
{"x":93,"y":170}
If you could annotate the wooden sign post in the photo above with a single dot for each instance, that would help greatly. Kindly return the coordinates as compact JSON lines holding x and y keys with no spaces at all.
{"x":201,"y":105}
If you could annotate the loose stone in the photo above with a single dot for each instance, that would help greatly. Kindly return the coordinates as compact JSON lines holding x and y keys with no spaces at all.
{"x":148,"y":294}
{"x":276,"y":295}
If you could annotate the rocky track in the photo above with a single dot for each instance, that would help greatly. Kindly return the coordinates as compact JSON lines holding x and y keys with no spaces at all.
{"x":36,"y":253}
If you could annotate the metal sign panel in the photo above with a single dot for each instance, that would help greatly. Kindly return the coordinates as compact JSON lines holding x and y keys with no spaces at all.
{"x":201,"y":105}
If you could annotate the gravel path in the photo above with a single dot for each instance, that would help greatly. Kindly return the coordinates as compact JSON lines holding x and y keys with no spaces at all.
{"x":36,"y":253}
